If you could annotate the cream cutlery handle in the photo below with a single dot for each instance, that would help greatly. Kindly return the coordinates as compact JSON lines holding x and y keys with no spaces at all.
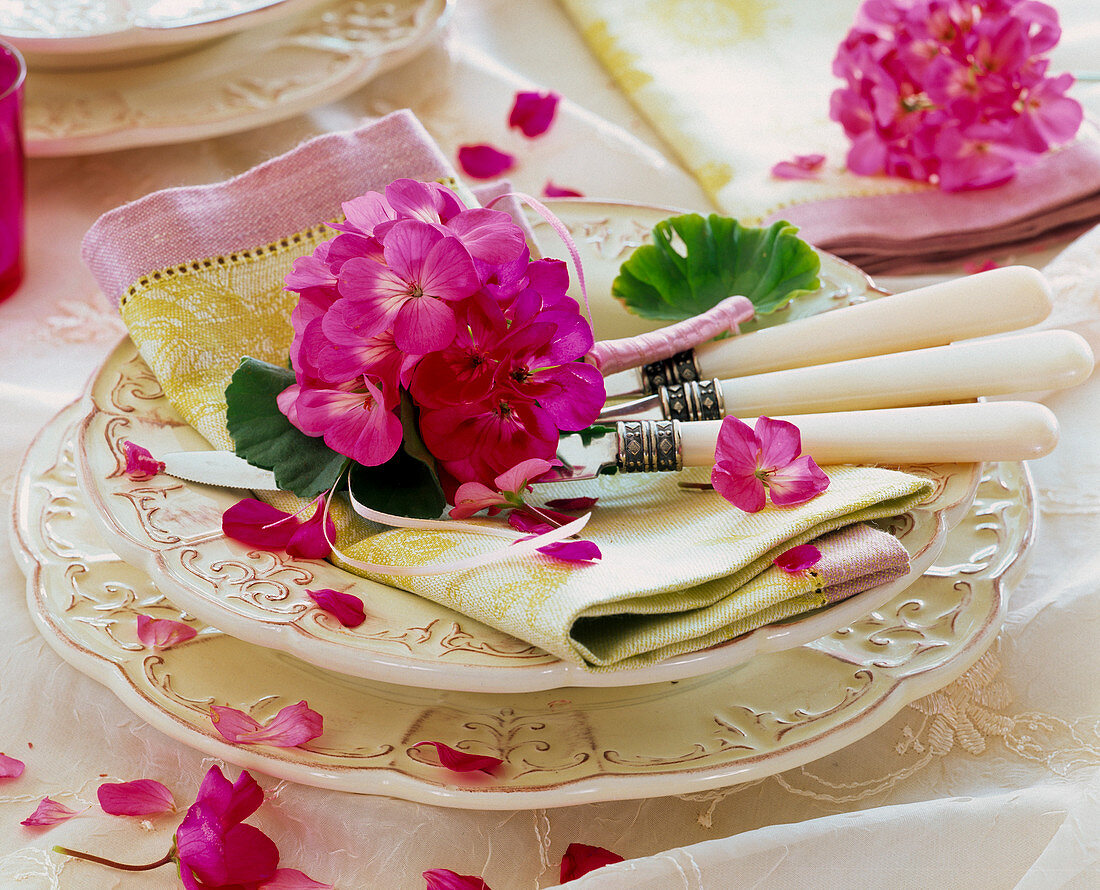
{"x":979,"y":431}
{"x":1004,"y":299}
{"x":1022,"y":363}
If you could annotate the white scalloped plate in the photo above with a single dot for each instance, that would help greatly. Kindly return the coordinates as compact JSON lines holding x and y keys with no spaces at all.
{"x":265,"y":74}
{"x":172,"y":530}
{"x":559,"y":747}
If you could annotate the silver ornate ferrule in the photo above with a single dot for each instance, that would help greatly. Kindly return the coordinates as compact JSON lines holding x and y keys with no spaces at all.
{"x":649,"y":446}
{"x":680,"y":368}
{"x":701,"y":400}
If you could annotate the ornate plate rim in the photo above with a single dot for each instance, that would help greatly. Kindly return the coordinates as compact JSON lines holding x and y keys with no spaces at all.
{"x":601,"y":787}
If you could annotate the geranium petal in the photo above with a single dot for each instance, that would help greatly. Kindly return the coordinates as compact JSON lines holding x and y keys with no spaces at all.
{"x":737,"y":447}
{"x":519,"y":477}
{"x":257,"y":524}
{"x":573,"y":551}
{"x":528,"y":523}
{"x":250,"y":855}
{"x":460,"y":761}
{"x":550,"y":190}
{"x":49,"y":812}
{"x":780,"y":442}
{"x":163,"y":633}
{"x":572,"y":505}
{"x":200,"y":845}
{"x":424,"y":324}
{"x":294,"y":725}
{"x":473,"y":497}
{"x":10,"y":768}
{"x":798,"y":558}
{"x":799,"y":167}
{"x":292,"y":879}
{"x":142,"y":797}
{"x":580,"y":859}
{"x":532,"y":112}
{"x":445,"y":879}
{"x":744,"y":491}
{"x":346,"y":608}
{"x":309,"y":540}
{"x":483,"y":161}
{"x":489,"y":235}
{"x":140,"y":463}
{"x":798,"y":482}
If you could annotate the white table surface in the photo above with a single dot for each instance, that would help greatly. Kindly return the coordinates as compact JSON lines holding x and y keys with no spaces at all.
{"x":996,"y":784}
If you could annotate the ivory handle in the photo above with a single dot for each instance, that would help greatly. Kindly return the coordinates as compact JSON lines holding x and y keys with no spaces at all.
{"x":966,"y":433}
{"x":992,"y":302}
{"x":1042,"y":360}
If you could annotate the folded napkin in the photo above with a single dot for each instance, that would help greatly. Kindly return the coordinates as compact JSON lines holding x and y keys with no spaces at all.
{"x":736,"y":88}
{"x":198,"y":274}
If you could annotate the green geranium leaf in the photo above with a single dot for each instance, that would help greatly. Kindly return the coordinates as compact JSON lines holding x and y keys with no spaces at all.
{"x":597,"y":431}
{"x":264,"y":437}
{"x":695,"y":262}
{"x":404,"y":486}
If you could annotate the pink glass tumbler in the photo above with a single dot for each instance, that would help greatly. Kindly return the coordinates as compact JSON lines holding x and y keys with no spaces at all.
{"x":12,"y":72}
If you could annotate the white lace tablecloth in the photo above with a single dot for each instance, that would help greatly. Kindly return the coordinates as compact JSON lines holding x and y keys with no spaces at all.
{"x":993,"y":782}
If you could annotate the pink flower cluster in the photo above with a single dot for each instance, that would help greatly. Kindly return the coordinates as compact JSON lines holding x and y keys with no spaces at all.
{"x":955,"y":92}
{"x":422,"y":295}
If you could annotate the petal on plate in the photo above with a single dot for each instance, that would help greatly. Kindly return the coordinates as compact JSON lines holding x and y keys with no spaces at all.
{"x":460,"y":761}
{"x":346,"y":608}
{"x":311,"y":539}
{"x":550,"y":190}
{"x":294,"y":725}
{"x":140,"y":463}
{"x":163,"y":633}
{"x":234,"y":725}
{"x":142,"y":797}
{"x":257,"y":524}
{"x":580,"y":859}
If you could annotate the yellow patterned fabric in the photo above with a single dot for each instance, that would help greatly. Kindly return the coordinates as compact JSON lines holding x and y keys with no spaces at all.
{"x":735,"y":86}
{"x":681,"y":569}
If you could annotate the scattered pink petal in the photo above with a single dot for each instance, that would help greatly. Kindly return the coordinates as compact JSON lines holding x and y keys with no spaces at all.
{"x":798,"y":558}
{"x":257,"y":524}
{"x":311,"y":539}
{"x":292,"y":879}
{"x":984,"y":266}
{"x":484,"y":161}
{"x":528,"y":523}
{"x":573,"y":551}
{"x":142,"y":797}
{"x":140,"y":463}
{"x":556,"y":191}
{"x":49,"y":812}
{"x":346,"y":608}
{"x":532,"y":113}
{"x":294,"y":725}
{"x":163,"y":633}
{"x":10,"y":768}
{"x":461,"y":762}
{"x":445,"y":879}
{"x":572,"y":505}
{"x":799,"y":167}
{"x":580,"y":859}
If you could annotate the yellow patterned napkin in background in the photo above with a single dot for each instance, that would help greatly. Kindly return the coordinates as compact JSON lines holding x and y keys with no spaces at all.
{"x":681,"y":569}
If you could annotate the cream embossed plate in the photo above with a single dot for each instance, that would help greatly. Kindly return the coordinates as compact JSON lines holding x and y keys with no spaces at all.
{"x":172,"y":530}
{"x":559,"y":747}
{"x":255,"y":77}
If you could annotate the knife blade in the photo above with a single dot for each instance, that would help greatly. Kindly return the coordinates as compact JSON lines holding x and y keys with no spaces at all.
{"x":222,"y":468}
{"x":1041,"y":360}
{"x":992,"y":302}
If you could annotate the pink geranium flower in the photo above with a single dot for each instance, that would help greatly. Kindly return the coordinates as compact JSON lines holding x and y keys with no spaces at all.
{"x":533,"y":113}
{"x":356,"y":419}
{"x":294,"y":725}
{"x":483,"y":161}
{"x":142,"y":797}
{"x":751,"y":463}
{"x":473,"y":497}
{"x":163,"y":633}
{"x":424,"y":270}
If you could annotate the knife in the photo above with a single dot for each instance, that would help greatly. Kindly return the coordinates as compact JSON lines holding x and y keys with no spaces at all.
{"x":1043,"y":360}
{"x":991,"y":302}
{"x":964,"y":433}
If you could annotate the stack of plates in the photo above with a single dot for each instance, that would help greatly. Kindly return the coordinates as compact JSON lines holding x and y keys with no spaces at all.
{"x":107,"y":75}
{"x":100,"y":548}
